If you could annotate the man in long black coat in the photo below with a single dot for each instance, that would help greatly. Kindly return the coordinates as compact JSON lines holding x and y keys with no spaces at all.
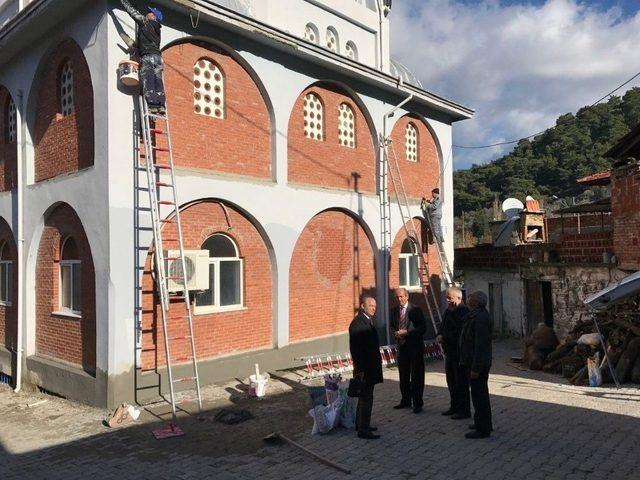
{"x":449,"y":337}
{"x":365,"y":353}
{"x":408,"y":325}
{"x":475,"y":356}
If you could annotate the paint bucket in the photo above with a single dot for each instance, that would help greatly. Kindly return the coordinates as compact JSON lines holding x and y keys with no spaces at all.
{"x":258,"y":384}
{"x":128,"y":73}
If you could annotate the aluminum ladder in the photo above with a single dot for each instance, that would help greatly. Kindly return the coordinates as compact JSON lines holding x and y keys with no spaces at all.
{"x":447,"y":273}
{"x":154,"y":127}
{"x":411,"y":232}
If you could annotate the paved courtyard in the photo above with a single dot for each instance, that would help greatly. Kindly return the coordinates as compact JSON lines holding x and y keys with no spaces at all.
{"x":544,"y":429}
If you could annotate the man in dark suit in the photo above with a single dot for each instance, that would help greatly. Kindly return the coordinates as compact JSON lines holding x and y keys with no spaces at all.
{"x":364,"y":346}
{"x":449,"y":337}
{"x":408,"y":325}
{"x":475,"y":356}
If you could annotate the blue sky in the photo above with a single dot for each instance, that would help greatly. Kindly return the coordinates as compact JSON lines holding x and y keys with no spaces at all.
{"x":519,"y":64}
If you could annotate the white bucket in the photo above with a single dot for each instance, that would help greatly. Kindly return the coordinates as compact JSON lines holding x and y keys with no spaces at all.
{"x":258,"y":384}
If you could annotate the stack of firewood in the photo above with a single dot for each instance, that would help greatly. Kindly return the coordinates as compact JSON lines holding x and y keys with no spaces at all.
{"x":620,"y":329}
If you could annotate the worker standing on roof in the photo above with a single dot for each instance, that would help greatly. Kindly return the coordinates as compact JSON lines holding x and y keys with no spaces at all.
{"x":151,"y":66}
{"x":432,"y":211}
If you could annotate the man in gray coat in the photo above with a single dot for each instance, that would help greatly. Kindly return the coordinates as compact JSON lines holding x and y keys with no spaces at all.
{"x":432,"y":211}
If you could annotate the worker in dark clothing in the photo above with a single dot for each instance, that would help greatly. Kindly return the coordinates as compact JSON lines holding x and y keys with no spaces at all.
{"x":432,"y":212}
{"x":449,"y":338}
{"x":364,"y":347}
{"x":475,"y":357}
{"x":148,"y":45}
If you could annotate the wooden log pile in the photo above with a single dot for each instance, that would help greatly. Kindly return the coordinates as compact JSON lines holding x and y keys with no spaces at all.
{"x":620,"y":329}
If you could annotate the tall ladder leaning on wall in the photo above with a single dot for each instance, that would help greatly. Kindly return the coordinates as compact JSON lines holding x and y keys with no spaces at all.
{"x":154,"y":127}
{"x":413,"y":236}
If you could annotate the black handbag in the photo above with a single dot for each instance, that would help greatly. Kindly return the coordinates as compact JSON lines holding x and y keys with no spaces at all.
{"x":357,"y":386}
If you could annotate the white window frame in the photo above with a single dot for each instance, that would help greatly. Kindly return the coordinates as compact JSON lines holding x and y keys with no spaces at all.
{"x":61,"y":308}
{"x":406,"y":282}
{"x":68,"y":108}
{"x":6,"y":267}
{"x":216,"y":261}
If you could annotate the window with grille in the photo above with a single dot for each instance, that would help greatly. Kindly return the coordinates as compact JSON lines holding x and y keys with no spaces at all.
{"x":226,"y":271}
{"x":409,"y":263}
{"x":6,"y":266}
{"x":411,"y":142}
{"x":313,"y":117}
{"x":346,"y":126}
{"x":351,"y":51}
{"x":11,"y":122}
{"x":332,"y":40}
{"x":208,"y":89}
{"x":70,"y":284}
{"x":66,"y":89}
{"x":311,"y":33}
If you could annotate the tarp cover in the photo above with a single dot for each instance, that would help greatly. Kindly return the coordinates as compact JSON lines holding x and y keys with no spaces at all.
{"x":615,"y":292}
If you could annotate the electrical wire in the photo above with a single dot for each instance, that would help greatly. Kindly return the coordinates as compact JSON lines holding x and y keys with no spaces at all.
{"x":511,"y":142}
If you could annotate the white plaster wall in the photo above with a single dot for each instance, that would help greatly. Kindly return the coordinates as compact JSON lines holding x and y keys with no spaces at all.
{"x":84,"y":191}
{"x":513,"y":313}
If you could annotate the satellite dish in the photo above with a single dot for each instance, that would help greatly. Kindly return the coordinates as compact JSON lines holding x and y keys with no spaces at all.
{"x":529,"y":198}
{"x":512,"y":207}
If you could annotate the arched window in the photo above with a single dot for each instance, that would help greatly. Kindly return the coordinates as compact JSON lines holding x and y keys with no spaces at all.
{"x":70,"y":285}
{"x":409,"y":264}
{"x":351,"y":51}
{"x":225,"y":276}
{"x":208,"y":89}
{"x":11,"y":124}
{"x":411,"y":142}
{"x":6,"y":267}
{"x":313,"y":112}
{"x":346,"y":126}
{"x":311,"y":33}
{"x":65,"y":88}
{"x":332,"y":40}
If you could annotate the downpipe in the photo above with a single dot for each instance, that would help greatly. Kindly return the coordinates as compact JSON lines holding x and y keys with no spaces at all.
{"x":20,"y":234}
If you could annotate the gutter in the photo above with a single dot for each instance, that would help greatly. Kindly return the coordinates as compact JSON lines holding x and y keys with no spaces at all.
{"x":20,"y":234}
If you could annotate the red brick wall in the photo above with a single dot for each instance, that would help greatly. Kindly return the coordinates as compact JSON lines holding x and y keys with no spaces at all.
{"x":332,"y":265}
{"x":487,"y":256}
{"x":415,"y":296}
{"x":625,"y":207}
{"x":8,"y":314}
{"x":557,"y":227}
{"x":64,"y":144}
{"x":419,"y":177}
{"x":69,"y":339}
{"x":221,"y":332}
{"x":8,"y":151}
{"x":585,"y":247}
{"x":238,"y":144}
{"x":327,"y":163}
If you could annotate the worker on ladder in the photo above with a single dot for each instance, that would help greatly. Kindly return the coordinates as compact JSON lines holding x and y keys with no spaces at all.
{"x":432,"y":211}
{"x":151,"y":65}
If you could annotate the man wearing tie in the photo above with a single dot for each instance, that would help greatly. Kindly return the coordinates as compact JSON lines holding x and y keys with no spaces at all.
{"x":408,"y":325}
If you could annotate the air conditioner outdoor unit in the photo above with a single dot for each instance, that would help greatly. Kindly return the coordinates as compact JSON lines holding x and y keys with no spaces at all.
{"x":197,"y":267}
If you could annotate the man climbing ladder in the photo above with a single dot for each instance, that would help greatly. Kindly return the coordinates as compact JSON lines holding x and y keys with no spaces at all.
{"x":148,"y":46}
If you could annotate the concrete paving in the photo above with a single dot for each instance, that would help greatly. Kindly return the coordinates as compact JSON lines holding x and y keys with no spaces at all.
{"x":544,"y":429}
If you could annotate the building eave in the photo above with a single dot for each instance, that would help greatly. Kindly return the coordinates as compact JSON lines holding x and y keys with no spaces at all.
{"x":15,"y":36}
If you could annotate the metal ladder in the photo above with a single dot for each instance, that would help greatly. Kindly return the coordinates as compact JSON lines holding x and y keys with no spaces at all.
{"x":152,"y":129}
{"x":412,"y":233}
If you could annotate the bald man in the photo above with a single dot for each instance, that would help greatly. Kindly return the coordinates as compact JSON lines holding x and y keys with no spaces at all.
{"x":448,"y":337}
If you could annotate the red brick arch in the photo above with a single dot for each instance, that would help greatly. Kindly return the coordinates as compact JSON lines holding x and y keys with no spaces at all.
{"x":239,"y":144}
{"x":59,"y":336}
{"x":9,"y":313}
{"x":63,"y":144}
{"x":333,"y":263}
{"x":421,"y":176}
{"x":219,"y":333}
{"x":326,"y":163}
{"x":8,"y":150}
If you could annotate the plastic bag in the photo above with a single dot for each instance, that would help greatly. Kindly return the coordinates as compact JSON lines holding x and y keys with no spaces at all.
{"x":589,"y":339}
{"x":595,"y":375}
{"x":324,"y":418}
{"x":331,"y":382}
{"x":347,"y":406}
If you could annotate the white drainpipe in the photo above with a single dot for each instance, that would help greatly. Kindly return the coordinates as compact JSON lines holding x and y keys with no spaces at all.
{"x":22,"y":155}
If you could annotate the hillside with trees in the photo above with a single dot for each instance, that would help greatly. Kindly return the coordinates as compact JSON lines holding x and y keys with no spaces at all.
{"x":548,"y":165}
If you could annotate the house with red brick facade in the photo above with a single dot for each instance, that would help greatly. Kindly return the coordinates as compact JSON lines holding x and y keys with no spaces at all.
{"x":276,"y":108}
{"x":547,"y":283}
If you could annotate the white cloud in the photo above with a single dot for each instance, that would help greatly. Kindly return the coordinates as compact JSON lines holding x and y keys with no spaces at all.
{"x":519,"y":66}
